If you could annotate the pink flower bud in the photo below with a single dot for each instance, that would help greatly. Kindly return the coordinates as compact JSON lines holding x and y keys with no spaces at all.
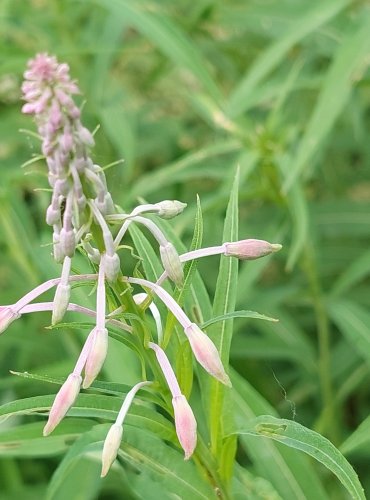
{"x":60,"y":304}
{"x":112,"y":266}
{"x":63,"y":401}
{"x":7,"y":316}
{"x":206,"y":353}
{"x":250,"y":249}
{"x":111,"y":446}
{"x":96,"y":357}
{"x":171,"y":262}
{"x":186,"y":425}
{"x":168,"y":209}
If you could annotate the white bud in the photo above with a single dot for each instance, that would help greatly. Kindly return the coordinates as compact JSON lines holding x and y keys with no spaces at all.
{"x":52,"y":215}
{"x":168,"y":209}
{"x":186,"y":425}
{"x":112,"y":266}
{"x":7,"y":316}
{"x":67,"y":241}
{"x":60,"y":304}
{"x":250,"y":249}
{"x":171,"y":262}
{"x":111,"y":446}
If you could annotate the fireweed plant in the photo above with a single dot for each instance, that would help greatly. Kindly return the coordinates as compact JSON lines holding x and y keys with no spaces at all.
{"x":84,"y":218}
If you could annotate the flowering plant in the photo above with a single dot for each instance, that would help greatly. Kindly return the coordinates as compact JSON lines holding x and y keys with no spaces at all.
{"x":161,"y":310}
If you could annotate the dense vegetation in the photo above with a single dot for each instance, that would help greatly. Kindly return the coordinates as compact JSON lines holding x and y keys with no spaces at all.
{"x":185,"y":92}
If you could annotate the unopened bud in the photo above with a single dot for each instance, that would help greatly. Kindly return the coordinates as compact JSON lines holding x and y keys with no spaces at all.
{"x":7,"y":316}
{"x":96,"y":357}
{"x":171,"y":262}
{"x":112,"y":266}
{"x":111,"y":446}
{"x":63,"y":401}
{"x":57,"y":249}
{"x":186,"y":425}
{"x":52,"y":215}
{"x":206,"y":353}
{"x":86,"y":136}
{"x":61,"y":301}
{"x":105,"y":206}
{"x":250,"y":249}
{"x":168,"y":209}
{"x":67,"y":241}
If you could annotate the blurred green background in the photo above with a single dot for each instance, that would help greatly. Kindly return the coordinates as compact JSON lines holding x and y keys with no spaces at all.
{"x":184,"y":92}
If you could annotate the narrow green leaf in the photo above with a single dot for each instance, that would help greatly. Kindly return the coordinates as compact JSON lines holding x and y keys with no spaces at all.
{"x":221,"y":332}
{"x":297,"y":436}
{"x":290,"y":473}
{"x":315,"y":16}
{"x":151,"y":456}
{"x":350,"y":59}
{"x":352,"y":274}
{"x":238,"y":314}
{"x":27,"y":440}
{"x":354,"y":323}
{"x":359,"y":440}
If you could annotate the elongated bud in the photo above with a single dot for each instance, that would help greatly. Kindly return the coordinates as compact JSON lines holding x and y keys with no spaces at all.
{"x":63,"y":401}
{"x":206,"y":353}
{"x":52,"y":215}
{"x":111,"y":446}
{"x":7,"y":316}
{"x":112,"y":266}
{"x":96,"y":357}
{"x":60,"y":304}
{"x":171,"y":262}
{"x":168,"y":209}
{"x":106,"y":205}
{"x":250,"y":249}
{"x":57,"y":249}
{"x":186,"y":425}
{"x":67,"y":241}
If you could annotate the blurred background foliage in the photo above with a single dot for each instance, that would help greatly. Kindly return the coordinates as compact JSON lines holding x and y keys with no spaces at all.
{"x":184,"y":92}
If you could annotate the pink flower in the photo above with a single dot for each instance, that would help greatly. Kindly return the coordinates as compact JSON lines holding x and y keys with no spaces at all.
{"x":250,"y":249}
{"x":186,"y":425}
{"x":206,"y":353}
{"x":63,"y":401}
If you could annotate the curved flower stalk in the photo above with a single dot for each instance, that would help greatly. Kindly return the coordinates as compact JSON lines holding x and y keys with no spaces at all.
{"x":82,"y":215}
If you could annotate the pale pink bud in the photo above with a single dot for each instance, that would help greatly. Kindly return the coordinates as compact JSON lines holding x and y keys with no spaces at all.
{"x":186,"y":425}
{"x":86,"y":136}
{"x":63,"y":401}
{"x":52,"y":215}
{"x":7,"y":316}
{"x":168,"y":209}
{"x":111,"y":446}
{"x":206,"y":353}
{"x":61,"y":301}
{"x":171,"y":263}
{"x":112,"y":266}
{"x":250,"y":249}
{"x":67,"y":241}
{"x":96,"y":357}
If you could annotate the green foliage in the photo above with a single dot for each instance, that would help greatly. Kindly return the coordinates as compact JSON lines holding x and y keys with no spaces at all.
{"x":186,"y":93}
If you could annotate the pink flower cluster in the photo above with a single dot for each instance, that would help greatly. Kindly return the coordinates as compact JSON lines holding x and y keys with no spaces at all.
{"x":48,"y":91}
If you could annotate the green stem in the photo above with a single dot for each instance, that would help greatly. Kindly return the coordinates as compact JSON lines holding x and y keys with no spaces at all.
{"x":327,"y":422}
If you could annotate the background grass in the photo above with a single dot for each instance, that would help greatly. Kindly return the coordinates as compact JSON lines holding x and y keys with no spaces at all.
{"x":184,"y":92}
